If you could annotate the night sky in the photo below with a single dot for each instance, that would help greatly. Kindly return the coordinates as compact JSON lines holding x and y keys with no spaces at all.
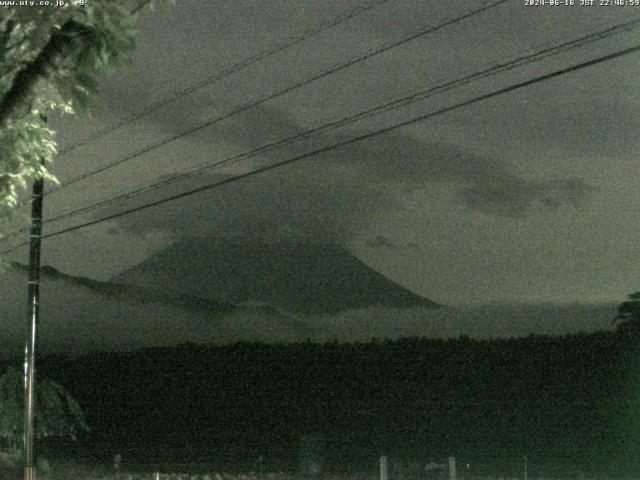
{"x":526,"y":197}
{"x":444,"y":288}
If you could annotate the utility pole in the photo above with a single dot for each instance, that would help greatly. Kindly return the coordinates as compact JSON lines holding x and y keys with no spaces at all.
{"x":384,"y":468}
{"x":32,"y":323}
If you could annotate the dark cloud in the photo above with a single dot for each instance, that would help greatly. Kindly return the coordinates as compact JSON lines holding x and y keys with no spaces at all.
{"x":517,"y":198}
{"x":515,"y":156}
{"x":323,"y":208}
{"x":381,"y":241}
{"x":483,"y":184}
{"x":333,"y":196}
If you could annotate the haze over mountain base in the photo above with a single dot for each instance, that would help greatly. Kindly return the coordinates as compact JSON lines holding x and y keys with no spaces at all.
{"x":80,"y":315}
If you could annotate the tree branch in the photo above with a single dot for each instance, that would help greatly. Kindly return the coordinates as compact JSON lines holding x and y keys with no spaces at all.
{"x":5,"y":36}
{"x":140,"y":6}
{"x":27,"y":80}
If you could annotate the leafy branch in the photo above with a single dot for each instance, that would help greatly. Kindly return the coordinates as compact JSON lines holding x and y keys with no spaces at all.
{"x":50,"y":60}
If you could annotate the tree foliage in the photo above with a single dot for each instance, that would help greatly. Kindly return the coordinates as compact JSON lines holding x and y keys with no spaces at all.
{"x":50,"y":59}
{"x":628,"y":318}
{"x":56,"y":412}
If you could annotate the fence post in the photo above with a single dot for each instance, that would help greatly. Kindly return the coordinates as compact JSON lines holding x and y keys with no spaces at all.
{"x":384,"y":468}
{"x":452,"y":468}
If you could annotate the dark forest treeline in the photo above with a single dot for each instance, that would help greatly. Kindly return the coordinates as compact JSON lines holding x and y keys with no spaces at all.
{"x":572,"y":400}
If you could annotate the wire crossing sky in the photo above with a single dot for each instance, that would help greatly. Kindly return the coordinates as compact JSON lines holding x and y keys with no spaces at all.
{"x":279,"y":93}
{"x":421,"y":118}
{"x":521,"y":197}
{"x":492,"y":69}
{"x":225,"y":73}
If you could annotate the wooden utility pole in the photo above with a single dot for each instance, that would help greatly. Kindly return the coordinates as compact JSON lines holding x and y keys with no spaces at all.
{"x":384,"y":468}
{"x":452,"y":468}
{"x":32,"y":323}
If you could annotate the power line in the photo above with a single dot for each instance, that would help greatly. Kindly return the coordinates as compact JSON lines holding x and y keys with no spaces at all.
{"x":359,"y":138}
{"x":495,"y":68}
{"x":279,"y":93}
{"x":223,"y":74}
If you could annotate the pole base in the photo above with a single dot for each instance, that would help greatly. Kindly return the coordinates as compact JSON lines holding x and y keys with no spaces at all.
{"x":29,"y":473}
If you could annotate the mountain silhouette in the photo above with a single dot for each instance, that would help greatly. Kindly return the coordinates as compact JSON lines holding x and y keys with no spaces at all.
{"x":300,"y":278}
{"x":80,"y":314}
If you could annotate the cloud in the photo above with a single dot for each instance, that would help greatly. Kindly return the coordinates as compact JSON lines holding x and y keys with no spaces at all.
{"x":482,"y":183}
{"x":333,"y":197}
{"x":517,"y":198}
{"x":380,"y":241}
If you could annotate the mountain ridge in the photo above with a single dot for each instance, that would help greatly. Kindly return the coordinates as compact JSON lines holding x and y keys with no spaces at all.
{"x":301,"y":278}
{"x":134,"y":292}
{"x":80,"y":314}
